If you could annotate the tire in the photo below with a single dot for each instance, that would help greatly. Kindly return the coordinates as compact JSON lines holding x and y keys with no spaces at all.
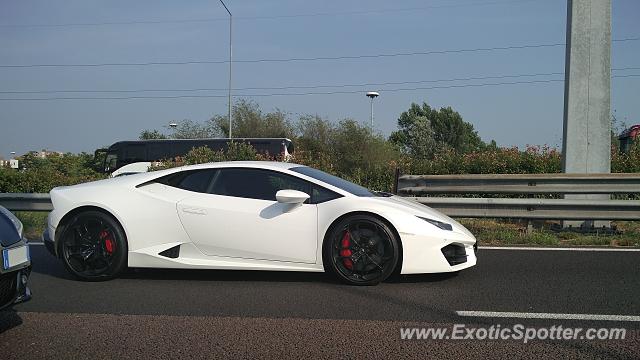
{"x":93,"y":246}
{"x":361,"y":250}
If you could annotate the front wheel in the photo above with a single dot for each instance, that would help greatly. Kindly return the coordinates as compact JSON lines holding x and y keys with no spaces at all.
{"x":93,"y":246}
{"x":361,"y":250}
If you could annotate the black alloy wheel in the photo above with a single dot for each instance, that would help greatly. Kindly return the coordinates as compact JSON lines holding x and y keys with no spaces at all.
{"x":361,"y":250}
{"x":93,"y":246}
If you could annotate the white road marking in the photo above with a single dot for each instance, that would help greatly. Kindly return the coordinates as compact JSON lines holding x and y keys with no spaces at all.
{"x":553,"y":316}
{"x":531,"y":248}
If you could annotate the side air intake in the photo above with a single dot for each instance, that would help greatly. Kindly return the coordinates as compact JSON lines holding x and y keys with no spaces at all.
{"x":172,"y":253}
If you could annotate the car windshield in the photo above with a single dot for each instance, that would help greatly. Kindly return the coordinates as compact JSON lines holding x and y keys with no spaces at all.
{"x":335,"y":181}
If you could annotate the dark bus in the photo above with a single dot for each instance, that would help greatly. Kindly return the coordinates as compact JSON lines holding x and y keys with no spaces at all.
{"x":127,"y":152}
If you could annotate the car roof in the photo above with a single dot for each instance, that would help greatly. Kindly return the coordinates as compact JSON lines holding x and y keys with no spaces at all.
{"x":274,"y":165}
{"x":139,"y":179}
{"x":147,"y":176}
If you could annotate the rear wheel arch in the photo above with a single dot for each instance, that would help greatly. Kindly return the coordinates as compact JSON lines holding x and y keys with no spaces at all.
{"x":381,"y":218}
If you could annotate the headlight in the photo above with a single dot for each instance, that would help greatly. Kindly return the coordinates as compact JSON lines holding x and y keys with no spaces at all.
{"x":16,"y":222}
{"x":440,"y":224}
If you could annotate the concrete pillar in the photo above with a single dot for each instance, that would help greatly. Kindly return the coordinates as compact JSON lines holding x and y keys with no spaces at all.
{"x":586,"y":144}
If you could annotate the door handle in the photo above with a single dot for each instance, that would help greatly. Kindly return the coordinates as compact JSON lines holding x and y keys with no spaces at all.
{"x":192,"y":210}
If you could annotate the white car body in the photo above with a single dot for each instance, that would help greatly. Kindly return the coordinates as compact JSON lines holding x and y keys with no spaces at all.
{"x":224,"y":232}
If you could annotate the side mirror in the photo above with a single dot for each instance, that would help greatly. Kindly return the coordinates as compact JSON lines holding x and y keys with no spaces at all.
{"x":291,"y":196}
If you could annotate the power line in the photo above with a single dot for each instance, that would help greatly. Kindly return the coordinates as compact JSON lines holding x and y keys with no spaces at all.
{"x":300,"y":94}
{"x":282,"y":94}
{"x":321,"y":14}
{"x":320,"y":58}
{"x":625,"y":76}
{"x":18,"y":92}
{"x":286,"y":87}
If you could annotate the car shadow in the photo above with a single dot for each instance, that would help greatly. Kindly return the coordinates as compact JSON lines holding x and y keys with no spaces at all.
{"x":44,"y":263}
{"x":226,"y":275}
{"x":9,"y":319}
{"x":422,"y":278}
{"x":266,"y":276}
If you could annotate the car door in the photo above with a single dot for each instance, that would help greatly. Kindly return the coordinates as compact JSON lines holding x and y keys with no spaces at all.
{"x":238,"y":216}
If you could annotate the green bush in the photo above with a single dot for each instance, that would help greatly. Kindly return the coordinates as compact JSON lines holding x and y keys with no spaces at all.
{"x":43,"y":174}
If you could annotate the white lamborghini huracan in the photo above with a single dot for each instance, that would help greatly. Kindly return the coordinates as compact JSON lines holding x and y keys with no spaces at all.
{"x":250,"y":216}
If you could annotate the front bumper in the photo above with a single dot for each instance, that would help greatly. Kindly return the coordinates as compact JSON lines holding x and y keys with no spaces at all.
{"x":433,"y":254}
{"x":14,"y":280}
{"x":14,"y":288}
{"x":49,"y":242}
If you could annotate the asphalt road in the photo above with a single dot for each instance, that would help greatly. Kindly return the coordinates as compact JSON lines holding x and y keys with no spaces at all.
{"x":205,"y":314}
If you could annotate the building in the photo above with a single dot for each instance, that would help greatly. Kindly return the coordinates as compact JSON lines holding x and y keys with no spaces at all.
{"x":13,"y":163}
{"x":46,"y":153}
{"x":628,"y":137}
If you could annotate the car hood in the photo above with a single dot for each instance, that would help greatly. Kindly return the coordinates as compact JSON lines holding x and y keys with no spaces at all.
{"x":418,"y":209}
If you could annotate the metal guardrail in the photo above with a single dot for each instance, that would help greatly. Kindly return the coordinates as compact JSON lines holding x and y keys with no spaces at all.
{"x":551,"y":209}
{"x":526,"y":184}
{"x":519,"y":184}
{"x":26,"y":202}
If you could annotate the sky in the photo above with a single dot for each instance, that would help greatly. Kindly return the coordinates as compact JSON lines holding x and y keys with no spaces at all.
{"x":431,"y":34}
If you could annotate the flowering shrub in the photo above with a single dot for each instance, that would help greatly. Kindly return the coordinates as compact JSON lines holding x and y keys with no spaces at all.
{"x":372,"y":165}
{"x":627,"y":162}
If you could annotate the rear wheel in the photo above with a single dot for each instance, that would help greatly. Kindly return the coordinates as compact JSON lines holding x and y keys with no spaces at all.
{"x":93,"y":246}
{"x":361,"y":250}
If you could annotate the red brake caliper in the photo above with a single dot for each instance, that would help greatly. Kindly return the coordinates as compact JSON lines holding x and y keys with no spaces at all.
{"x":346,"y":252}
{"x":109,"y":244}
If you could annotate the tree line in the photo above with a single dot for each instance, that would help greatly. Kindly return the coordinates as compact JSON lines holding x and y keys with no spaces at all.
{"x":427,"y":141}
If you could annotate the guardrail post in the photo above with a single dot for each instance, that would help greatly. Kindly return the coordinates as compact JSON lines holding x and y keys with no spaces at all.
{"x":396,"y":178}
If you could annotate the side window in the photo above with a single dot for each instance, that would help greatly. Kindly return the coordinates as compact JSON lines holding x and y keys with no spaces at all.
{"x":155,"y":152}
{"x":135,"y":153}
{"x":320,"y":195}
{"x":255,"y":183}
{"x":193,"y":180}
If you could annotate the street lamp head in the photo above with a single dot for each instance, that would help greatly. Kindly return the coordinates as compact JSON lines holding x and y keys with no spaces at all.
{"x":372,"y":94}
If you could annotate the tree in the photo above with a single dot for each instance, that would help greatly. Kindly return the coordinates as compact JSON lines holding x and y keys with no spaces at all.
{"x":424,"y":130}
{"x":151,"y":135}
{"x":417,"y":138}
{"x":314,"y":133}
{"x":249,"y":121}
{"x":188,"y":129}
{"x":354,"y":145}
{"x":185,"y":129}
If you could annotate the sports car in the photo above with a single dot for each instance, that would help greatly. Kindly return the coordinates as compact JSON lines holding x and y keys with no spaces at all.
{"x":250,"y":216}
{"x":15,"y":261}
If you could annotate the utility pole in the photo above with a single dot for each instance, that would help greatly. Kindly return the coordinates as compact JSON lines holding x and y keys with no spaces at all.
{"x":586,"y":144}
{"x":230,"y":60}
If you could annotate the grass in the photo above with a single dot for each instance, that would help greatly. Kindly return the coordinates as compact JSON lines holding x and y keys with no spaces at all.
{"x":34,"y":223}
{"x":487,"y":231}
{"x":494,"y":232}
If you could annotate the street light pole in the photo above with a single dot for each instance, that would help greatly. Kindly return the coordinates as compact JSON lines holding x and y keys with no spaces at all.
{"x":372,"y":95}
{"x":230,"y":59}
{"x":372,"y":113}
